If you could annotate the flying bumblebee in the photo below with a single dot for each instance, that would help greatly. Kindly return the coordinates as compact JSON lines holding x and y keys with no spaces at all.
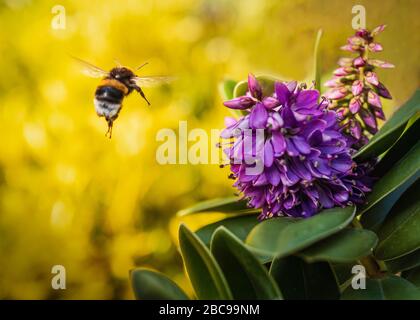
{"x":116,"y":84}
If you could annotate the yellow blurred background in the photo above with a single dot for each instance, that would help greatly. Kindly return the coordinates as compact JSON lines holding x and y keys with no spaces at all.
{"x":100,"y":207}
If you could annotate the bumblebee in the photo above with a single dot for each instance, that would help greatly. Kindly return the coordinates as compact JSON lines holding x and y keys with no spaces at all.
{"x":115,"y":85}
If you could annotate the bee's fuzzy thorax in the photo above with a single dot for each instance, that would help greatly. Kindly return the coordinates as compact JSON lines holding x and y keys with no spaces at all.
{"x":109,"y":82}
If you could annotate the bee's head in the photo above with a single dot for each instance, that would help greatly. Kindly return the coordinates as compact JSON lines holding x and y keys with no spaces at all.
{"x":121,"y":73}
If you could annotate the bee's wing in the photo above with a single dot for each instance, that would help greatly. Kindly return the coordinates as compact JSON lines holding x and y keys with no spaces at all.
{"x":90,"y":70}
{"x":152,"y":81}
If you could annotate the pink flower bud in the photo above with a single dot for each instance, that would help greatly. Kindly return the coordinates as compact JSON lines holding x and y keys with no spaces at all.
{"x":379,"y":114}
{"x":350,"y":48}
{"x":383,"y":92}
{"x":375,"y":47}
{"x":378,"y":30}
{"x":240,"y":103}
{"x":355,"y":129}
{"x":336,"y":94}
{"x":332,"y":83}
{"x":380,"y":63}
{"x":359,"y":62}
{"x":354,"y":105}
{"x":344,"y":71}
{"x":357,"y":87}
{"x":374,"y":100}
{"x":355,"y":41}
{"x":254,"y":87}
{"x":345,"y":62}
{"x":372,"y":78}
{"x":368,"y":118}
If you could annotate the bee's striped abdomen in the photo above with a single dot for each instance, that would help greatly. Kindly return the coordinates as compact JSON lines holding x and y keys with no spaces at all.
{"x":109,"y":94}
{"x":108,"y":98}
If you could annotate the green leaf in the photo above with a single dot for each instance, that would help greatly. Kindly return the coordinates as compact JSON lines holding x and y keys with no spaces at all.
{"x":399,"y":234}
{"x":247,"y":278}
{"x":226,"y":89}
{"x":206,"y":277}
{"x":239,"y":226}
{"x":263,"y":237}
{"x":405,"y":169}
{"x":152,"y":285}
{"x":413,"y":276}
{"x":391,"y":130}
{"x":387,"y":288}
{"x":266,"y":82}
{"x":403,"y":263}
{"x":346,"y":246}
{"x":224,"y":205}
{"x":407,"y":140}
{"x":375,"y":216}
{"x":295,"y":236}
{"x":317,"y":61}
{"x":298,"y":280}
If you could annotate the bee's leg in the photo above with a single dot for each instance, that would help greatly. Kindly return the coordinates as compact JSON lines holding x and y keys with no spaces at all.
{"x":138,"y":89}
{"x":109,"y":132}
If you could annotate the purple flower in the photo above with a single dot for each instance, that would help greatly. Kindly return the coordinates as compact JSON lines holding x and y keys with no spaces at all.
{"x":288,"y":156}
{"x":355,"y":89}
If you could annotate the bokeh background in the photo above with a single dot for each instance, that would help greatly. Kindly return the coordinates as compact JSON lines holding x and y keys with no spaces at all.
{"x":100,"y":207}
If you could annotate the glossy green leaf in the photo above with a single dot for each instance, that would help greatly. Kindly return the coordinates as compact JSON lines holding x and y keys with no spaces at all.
{"x":399,"y":234}
{"x":317,"y":61}
{"x":266,"y":82}
{"x":263,"y":257}
{"x":247,"y":278}
{"x":226,"y":89}
{"x":345,"y":246}
{"x":403,"y":171}
{"x":299,"y":280}
{"x":224,"y":205}
{"x":375,"y":216}
{"x":239,"y":226}
{"x":152,"y":285}
{"x":407,"y":140}
{"x":391,"y":130}
{"x":403,"y":263}
{"x":264,"y":235}
{"x":294,"y":236}
{"x":205,"y":274}
{"x":388,"y":288}
{"x":413,"y":276}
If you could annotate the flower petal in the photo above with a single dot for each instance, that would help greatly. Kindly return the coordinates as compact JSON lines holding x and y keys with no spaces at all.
{"x":259,"y":116}
{"x":279,"y":143}
{"x":301,"y":145}
{"x":307,"y":99}
{"x":268,"y":154}
{"x":240,"y":103}
{"x":254,"y":87}
{"x":270,"y":102}
{"x":282,"y":92}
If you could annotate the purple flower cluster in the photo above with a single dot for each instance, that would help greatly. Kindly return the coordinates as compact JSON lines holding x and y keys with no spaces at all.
{"x":305,"y":159}
{"x":355,"y":88}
